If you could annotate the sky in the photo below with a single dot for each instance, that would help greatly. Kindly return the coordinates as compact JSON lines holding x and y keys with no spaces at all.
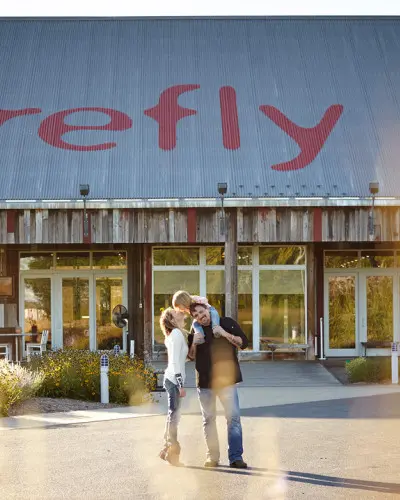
{"x":117,"y":8}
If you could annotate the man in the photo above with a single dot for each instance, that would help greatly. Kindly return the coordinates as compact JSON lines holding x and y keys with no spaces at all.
{"x":217,"y":372}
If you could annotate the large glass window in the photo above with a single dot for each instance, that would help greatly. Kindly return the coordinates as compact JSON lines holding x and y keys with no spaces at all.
{"x":176,"y":256}
{"x":166,"y":283}
{"x":37,"y":308}
{"x":73,"y":260}
{"x":36,"y":261}
{"x":282,"y":315}
{"x":109,"y":260}
{"x":338,"y":260}
{"x":282,"y":256}
{"x":342,"y":312}
{"x":379,"y":308}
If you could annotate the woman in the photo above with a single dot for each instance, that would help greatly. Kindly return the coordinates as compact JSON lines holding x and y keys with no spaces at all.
{"x":171,"y":323}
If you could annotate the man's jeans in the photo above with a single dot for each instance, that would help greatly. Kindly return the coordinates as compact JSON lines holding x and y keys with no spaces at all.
{"x":230,"y":401}
{"x":174,"y":414}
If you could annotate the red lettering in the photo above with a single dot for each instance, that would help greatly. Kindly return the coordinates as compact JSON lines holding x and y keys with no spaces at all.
{"x":229,"y":118}
{"x":167,"y":113}
{"x":7,"y":114}
{"x":53,"y":127}
{"x":310,"y":140}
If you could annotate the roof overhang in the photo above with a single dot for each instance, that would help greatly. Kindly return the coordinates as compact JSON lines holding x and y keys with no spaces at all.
{"x":158,"y":203}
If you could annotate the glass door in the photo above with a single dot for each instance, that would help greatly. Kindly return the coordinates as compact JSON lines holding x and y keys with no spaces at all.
{"x":76,"y":312}
{"x":340,"y":326}
{"x":377,"y":307}
{"x":109,"y":293}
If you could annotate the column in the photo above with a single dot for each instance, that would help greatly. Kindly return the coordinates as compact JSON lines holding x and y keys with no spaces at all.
{"x":231,"y":258}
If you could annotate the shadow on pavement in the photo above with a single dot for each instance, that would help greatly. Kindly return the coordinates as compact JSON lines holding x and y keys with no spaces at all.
{"x":382,"y":406}
{"x":315,"y":479}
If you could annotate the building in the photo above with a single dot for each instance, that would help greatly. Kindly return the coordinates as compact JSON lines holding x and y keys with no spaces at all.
{"x":296,"y":116}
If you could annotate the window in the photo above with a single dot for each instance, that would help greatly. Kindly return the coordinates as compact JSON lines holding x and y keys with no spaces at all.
{"x":176,"y":256}
{"x":338,"y":260}
{"x":282,"y":256}
{"x":109,"y":260}
{"x":166,"y":283}
{"x":36,"y":261}
{"x":37,"y":307}
{"x":377,"y":258}
{"x":73,"y":260}
{"x":282,"y":306}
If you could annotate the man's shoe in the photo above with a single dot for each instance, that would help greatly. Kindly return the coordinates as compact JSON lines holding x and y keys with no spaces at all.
{"x":211,"y":463}
{"x":238,"y":464}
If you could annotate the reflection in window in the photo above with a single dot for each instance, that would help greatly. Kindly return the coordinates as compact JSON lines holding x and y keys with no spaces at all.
{"x":380,"y":308}
{"x":342,"y":312}
{"x":108,"y":295}
{"x":337,"y":260}
{"x":75,"y":306}
{"x":282,"y":314}
{"x":176,"y":256}
{"x":77,"y":260}
{"x":109,"y":260}
{"x":37,"y":308}
{"x":35,"y":261}
{"x":215,"y":256}
{"x":166,"y":283}
{"x":377,"y":258}
{"x":245,"y":256}
{"x":245,"y":304}
{"x":282,"y":256}
{"x":215,"y":290}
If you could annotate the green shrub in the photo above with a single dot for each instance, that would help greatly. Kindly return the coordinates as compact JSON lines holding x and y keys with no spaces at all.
{"x":16,"y":385}
{"x":73,"y":373}
{"x":371,"y":370}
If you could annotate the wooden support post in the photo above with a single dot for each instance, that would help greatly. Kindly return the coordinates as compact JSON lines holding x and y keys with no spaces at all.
{"x":135,"y":298}
{"x":231,"y":258}
{"x":311,"y":298}
{"x":148,"y":299}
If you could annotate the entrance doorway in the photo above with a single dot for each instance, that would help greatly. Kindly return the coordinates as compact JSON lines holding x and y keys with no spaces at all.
{"x":360,"y":306}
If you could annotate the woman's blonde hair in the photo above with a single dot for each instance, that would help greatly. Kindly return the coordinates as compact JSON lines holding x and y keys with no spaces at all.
{"x":167,"y":321}
{"x":182,"y":298}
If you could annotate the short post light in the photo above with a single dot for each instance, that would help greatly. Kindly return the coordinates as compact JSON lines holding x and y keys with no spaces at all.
{"x":117,"y":350}
{"x":104,"y":385}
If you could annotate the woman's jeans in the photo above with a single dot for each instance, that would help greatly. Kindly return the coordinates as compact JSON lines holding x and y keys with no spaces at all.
{"x":230,"y":401}
{"x":174,"y":414}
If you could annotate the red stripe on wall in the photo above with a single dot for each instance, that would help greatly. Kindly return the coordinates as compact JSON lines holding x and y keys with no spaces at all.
{"x":11,"y":216}
{"x":229,"y":117}
{"x":317,"y":224}
{"x":88,"y":238}
{"x":191,"y":225}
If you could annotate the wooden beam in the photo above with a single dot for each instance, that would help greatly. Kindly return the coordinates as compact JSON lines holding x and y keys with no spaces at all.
{"x":231,"y":258}
{"x":135,"y":297}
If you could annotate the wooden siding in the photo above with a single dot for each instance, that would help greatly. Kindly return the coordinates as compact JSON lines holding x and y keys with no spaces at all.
{"x":254,"y":225}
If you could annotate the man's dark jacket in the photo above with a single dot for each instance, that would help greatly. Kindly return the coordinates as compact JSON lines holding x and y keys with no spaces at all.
{"x":217,"y":363}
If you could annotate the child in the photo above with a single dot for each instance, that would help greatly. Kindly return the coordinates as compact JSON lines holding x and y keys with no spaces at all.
{"x":181,"y":301}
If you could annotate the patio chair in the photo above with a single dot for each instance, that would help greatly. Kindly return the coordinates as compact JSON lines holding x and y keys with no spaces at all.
{"x":39,"y":348}
{"x":5,"y":351}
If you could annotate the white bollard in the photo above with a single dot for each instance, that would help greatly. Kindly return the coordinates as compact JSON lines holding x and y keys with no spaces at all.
{"x":104,"y":386}
{"x":117,"y":350}
{"x":132,"y":352}
{"x":395,"y":362}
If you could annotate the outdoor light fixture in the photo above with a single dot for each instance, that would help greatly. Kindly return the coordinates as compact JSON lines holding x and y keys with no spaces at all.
{"x":222,"y":190}
{"x":374,"y":190}
{"x":84,"y":190}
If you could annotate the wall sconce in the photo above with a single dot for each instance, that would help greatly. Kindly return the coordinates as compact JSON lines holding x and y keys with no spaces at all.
{"x":84,"y":190}
{"x":374,"y":190}
{"x":222,"y":190}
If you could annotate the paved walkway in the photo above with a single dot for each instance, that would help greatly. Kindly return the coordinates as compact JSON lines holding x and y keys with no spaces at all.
{"x":268,"y":388}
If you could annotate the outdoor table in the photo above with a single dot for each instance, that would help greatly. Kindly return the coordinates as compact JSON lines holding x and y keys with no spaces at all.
{"x":16,"y":335}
